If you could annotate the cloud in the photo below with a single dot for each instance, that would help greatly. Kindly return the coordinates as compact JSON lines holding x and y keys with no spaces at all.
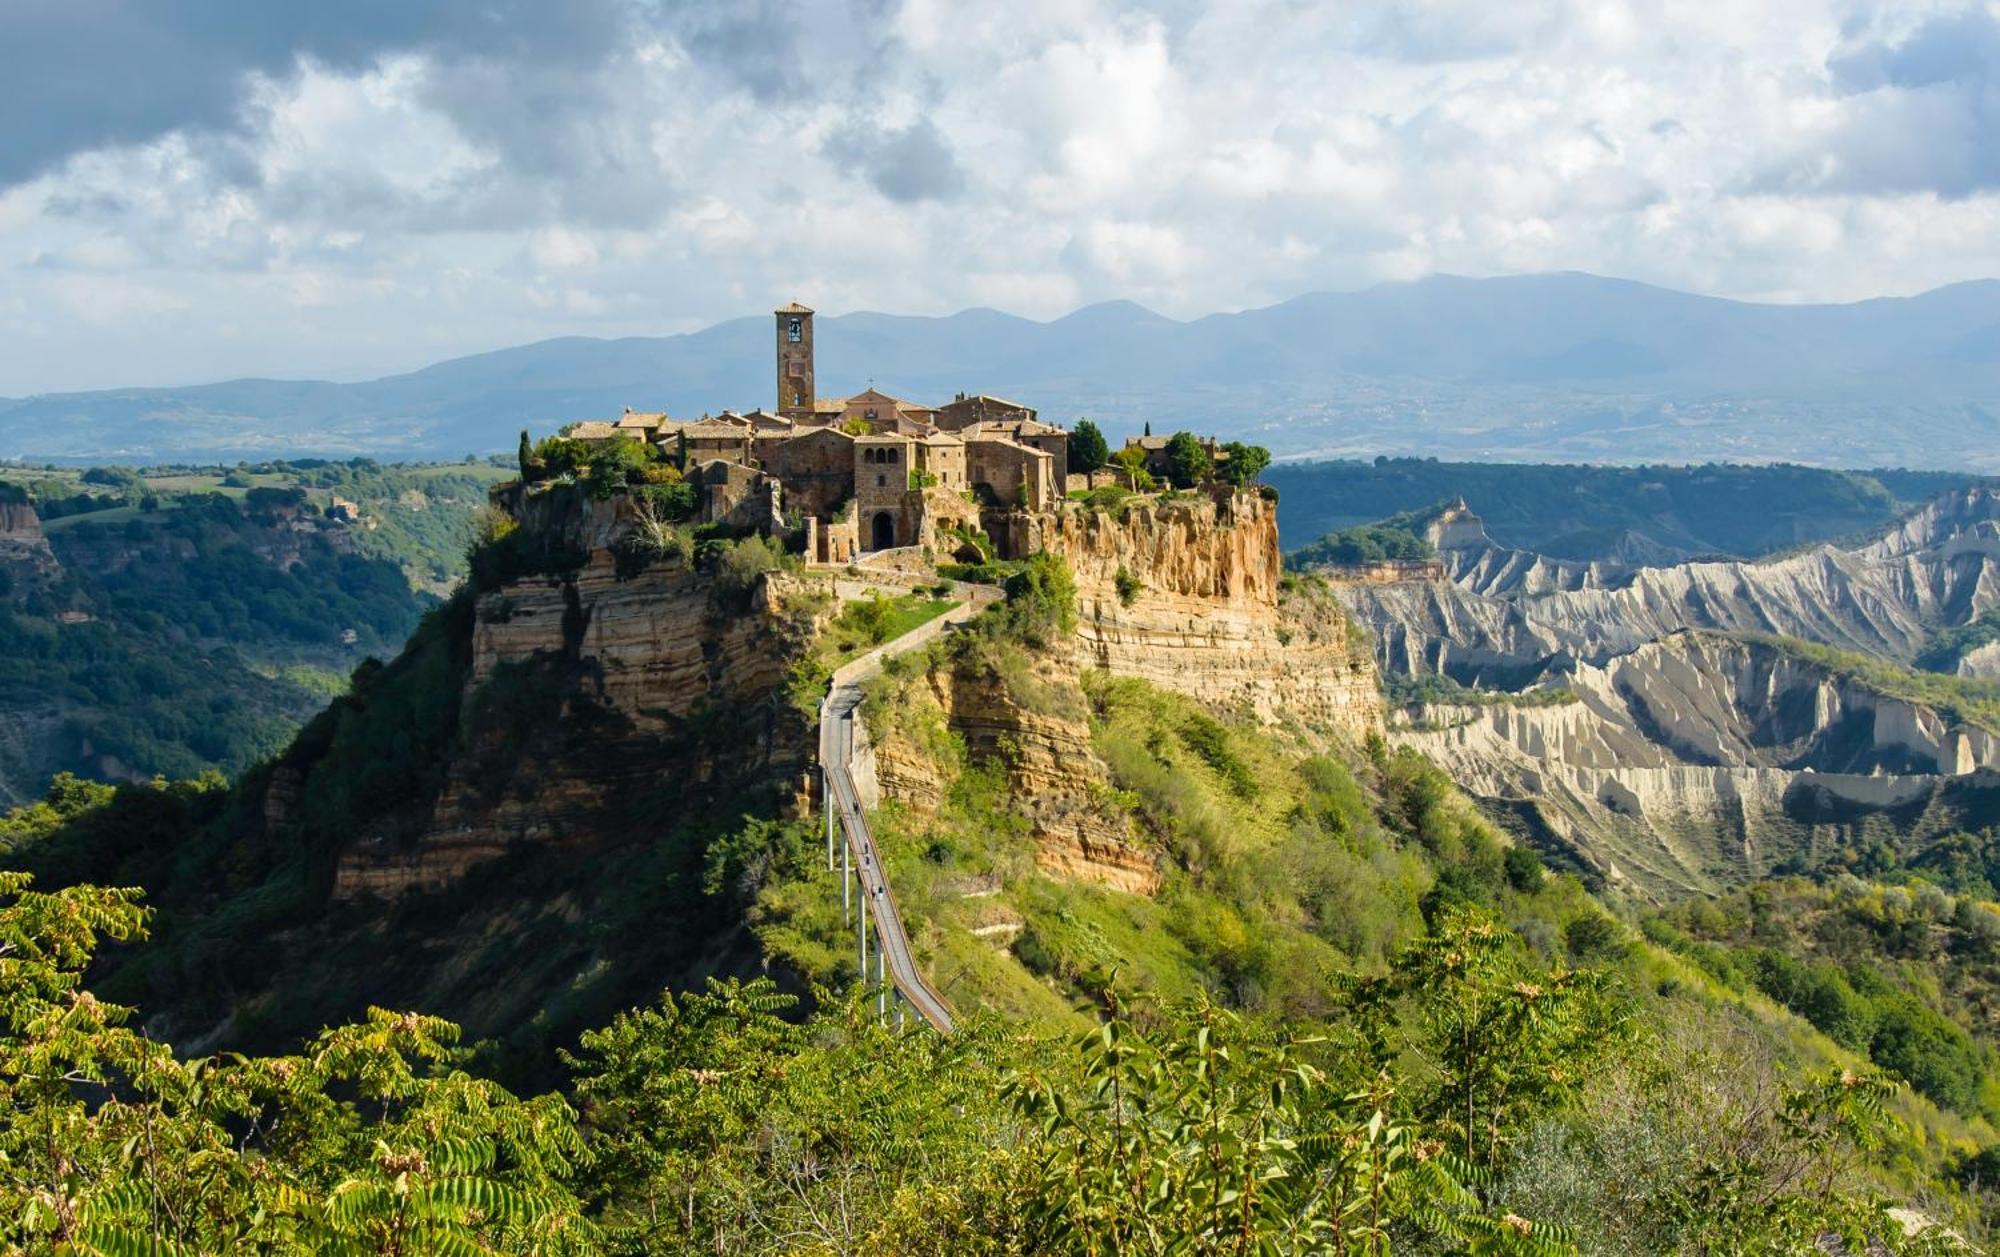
{"x":1919,"y":111}
{"x":77,"y":75}
{"x":906,"y":164}
{"x":355,"y":187}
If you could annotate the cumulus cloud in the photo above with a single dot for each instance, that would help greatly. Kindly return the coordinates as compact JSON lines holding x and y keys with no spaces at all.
{"x":233,"y":186}
{"x":1922,"y":108}
{"x":909,"y":163}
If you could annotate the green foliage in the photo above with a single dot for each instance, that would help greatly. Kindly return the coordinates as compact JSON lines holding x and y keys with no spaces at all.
{"x":1131,"y":463}
{"x":616,"y":465}
{"x":1892,"y":972}
{"x":1214,"y":1135}
{"x":68,"y":797}
{"x":1041,"y":599}
{"x":739,"y":567}
{"x":1435,"y":689}
{"x":366,"y":1142}
{"x":1499,"y":1039}
{"x":1578,"y":511}
{"x":1364,"y":543}
{"x":1188,"y":461}
{"x":1944,"y":650}
{"x":1088,"y":450}
{"x":561,"y":456}
{"x":1127,"y":584}
{"x":1242,"y":464}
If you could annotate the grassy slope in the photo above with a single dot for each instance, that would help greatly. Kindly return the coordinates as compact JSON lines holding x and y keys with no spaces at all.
{"x":1287,"y":865}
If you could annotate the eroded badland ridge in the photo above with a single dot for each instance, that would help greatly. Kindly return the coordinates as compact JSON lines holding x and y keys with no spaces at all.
{"x":1685,"y":727}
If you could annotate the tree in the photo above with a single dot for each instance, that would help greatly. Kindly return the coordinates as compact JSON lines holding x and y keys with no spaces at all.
{"x":1242,"y":464}
{"x":1088,"y":449}
{"x":1132,"y":462}
{"x":527,"y":455}
{"x":1188,"y":461}
{"x":1214,"y":1135}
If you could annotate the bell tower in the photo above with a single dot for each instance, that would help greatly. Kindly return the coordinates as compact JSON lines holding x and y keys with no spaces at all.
{"x":795,"y":362}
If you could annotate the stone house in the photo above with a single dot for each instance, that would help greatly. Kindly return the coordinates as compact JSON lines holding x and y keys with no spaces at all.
{"x":962,"y":411}
{"x":1013,"y":474}
{"x":717,"y":438}
{"x":817,"y":468}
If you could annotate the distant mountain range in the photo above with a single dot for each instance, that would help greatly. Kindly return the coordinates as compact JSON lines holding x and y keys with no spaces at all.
{"x":1564,"y":367}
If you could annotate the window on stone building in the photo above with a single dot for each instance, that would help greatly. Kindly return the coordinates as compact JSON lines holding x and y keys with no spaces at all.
{"x":881,"y":481}
{"x":795,"y":329}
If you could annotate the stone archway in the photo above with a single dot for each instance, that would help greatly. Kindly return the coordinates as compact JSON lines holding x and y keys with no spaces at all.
{"x":882,"y":531}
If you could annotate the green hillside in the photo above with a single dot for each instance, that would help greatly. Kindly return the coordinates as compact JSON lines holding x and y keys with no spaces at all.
{"x":1354,"y":1015}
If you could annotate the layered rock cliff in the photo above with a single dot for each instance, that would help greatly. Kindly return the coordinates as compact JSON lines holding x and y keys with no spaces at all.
{"x":587,"y":674}
{"x":591,"y":689}
{"x":1187,"y":592}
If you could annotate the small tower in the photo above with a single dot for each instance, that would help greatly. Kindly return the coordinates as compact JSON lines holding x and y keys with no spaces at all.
{"x":795,"y":362}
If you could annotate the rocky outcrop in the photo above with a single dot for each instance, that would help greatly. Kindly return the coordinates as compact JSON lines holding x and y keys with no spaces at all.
{"x":1037,"y":729}
{"x":1697,"y":760}
{"x":591,"y":690}
{"x":1186,"y":592}
{"x":24,"y":550}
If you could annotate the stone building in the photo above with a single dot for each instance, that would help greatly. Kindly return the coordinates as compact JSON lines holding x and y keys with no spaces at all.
{"x":795,"y":362}
{"x":716,"y":438}
{"x":962,"y":411}
{"x":862,"y":473}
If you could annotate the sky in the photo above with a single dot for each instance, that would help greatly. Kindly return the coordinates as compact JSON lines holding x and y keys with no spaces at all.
{"x":200,"y":189}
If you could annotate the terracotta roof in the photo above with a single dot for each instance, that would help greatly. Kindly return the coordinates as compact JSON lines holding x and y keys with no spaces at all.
{"x":897,"y":437}
{"x":793,"y":308}
{"x":592,"y":430}
{"x":641,"y":419}
{"x":825,"y":431}
{"x":1009,"y":442}
{"x":829,"y":405}
{"x":940,"y":438}
{"x":732,"y":418}
{"x":716,"y":429}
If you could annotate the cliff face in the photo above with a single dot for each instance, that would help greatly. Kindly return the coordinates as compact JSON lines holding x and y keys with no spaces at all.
{"x":1208,"y":616}
{"x":589,"y":692}
{"x":1697,"y":760}
{"x":618,"y":667}
{"x":1043,"y":745}
{"x":24,"y":550}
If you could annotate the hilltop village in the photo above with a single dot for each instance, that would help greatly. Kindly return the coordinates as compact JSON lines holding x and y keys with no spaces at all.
{"x":872,"y":472}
